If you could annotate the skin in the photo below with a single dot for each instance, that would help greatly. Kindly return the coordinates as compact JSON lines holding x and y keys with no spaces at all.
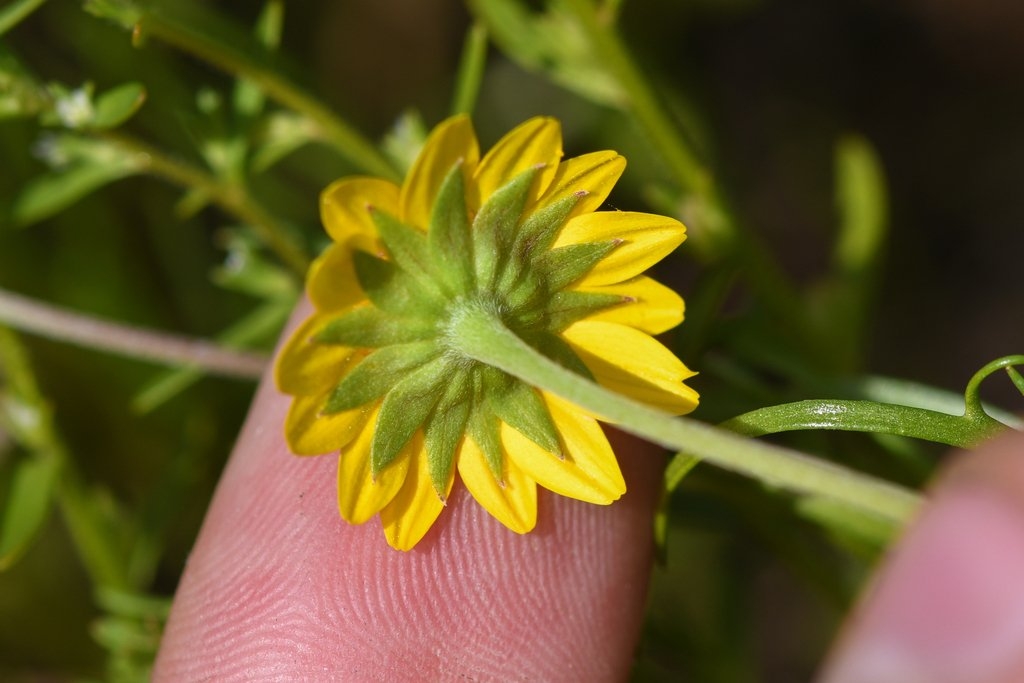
{"x":278,"y":587}
{"x":948,"y":604}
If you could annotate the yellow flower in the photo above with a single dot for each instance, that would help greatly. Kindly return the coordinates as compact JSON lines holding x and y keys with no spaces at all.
{"x":374,"y":371}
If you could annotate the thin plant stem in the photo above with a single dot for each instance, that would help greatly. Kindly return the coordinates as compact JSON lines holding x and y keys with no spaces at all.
{"x":680,"y":157}
{"x":56,"y":323}
{"x":231,"y":197}
{"x":92,"y":537}
{"x":481,"y":336}
{"x":339,"y":134}
{"x":471,"y":70}
{"x":684,"y":163}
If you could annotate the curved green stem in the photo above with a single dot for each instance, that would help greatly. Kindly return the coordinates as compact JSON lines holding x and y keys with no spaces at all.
{"x":349,"y":142}
{"x":231,"y":197}
{"x":482,"y":336}
{"x":962,"y":431}
{"x":972,"y":395}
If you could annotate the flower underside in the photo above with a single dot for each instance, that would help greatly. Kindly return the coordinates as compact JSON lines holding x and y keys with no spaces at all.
{"x":377,"y":372}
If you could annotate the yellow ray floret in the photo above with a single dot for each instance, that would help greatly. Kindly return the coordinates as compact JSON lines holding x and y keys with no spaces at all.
{"x":377,"y":376}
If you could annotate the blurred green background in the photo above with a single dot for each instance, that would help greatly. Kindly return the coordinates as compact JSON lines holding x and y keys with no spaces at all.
{"x":763,"y":89}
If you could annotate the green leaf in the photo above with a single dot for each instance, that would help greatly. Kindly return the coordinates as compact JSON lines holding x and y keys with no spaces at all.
{"x":390,"y":288}
{"x":566,"y":307}
{"x":495,"y":226}
{"x":279,"y":134}
{"x":116,"y":106}
{"x":131,"y":605}
{"x":20,"y":93}
{"x":404,"y":141}
{"x":248,"y":98}
{"x":51,"y":193}
{"x":552,"y":43}
{"x":842,"y":311}
{"x":370,"y":328}
{"x":127,"y":13}
{"x":863,"y":206}
{"x":445,"y":428}
{"x":378,"y":373}
{"x":31,"y":491}
{"x":563,"y":266}
{"x":520,"y":406}
{"x":246,"y":269}
{"x":405,"y":408}
{"x":449,"y":237}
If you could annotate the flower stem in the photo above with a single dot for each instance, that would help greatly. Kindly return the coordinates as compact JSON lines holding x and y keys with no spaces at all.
{"x":680,"y":157}
{"x":713,"y":227}
{"x":231,"y":197}
{"x":56,"y":323}
{"x":482,"y":336}
{"x":962,"y":431}
{"x":345,"y":139}
{"x":471,"y":70}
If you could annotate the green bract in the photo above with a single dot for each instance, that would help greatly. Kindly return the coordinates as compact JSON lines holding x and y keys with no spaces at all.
{"x":377,"y":370}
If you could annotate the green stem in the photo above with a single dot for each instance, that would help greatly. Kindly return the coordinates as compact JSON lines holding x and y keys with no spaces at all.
{"x":63,"y":325}
{"x":231,"y":197}
{"x":347,"y":140}
{"x":471,"y":70}
{"x":718,"y":234}
{"x":482,"y":336}
{"x":972,"y":395}
{"x":962,"y":431}
{"x":681,"y":159}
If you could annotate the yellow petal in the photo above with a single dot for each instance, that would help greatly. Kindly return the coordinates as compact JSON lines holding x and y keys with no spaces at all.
{"x":646,"y":239}
{"x":653,"y":307}
{"x":360,"y":496}
{"x":584,"y":441}
{"x":451,"y":141}
{"x":513,"y":503}
{"x":344,"y":205}
{"x":305,"y":367}
{"x":593,"y":174}
{"x":537,"y":142}
{"x":310,"y":433}
{"x":331,"y":283}
{"x":581,"y":474}
{"x":417,"y":505}
{"x":633,"y":363}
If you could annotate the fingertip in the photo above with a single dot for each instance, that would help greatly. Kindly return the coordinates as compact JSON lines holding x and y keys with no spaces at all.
{"x":278,"y":585}
{"x":948,"y":606}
